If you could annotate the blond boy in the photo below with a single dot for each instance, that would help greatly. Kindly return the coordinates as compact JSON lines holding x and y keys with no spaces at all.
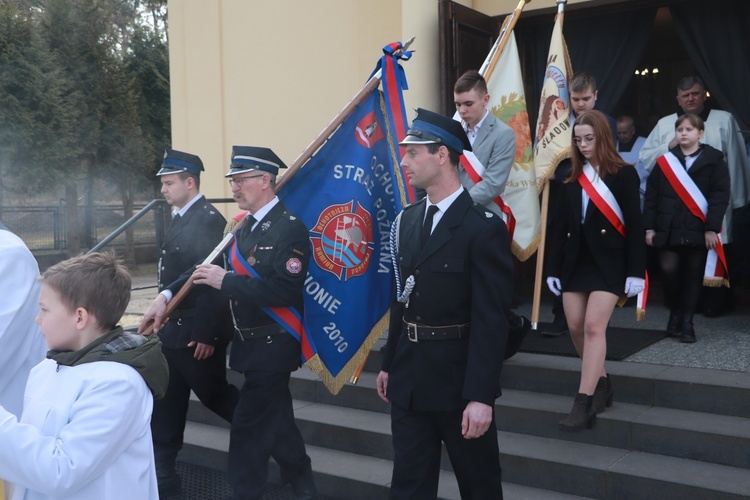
{"x":84,"y":432}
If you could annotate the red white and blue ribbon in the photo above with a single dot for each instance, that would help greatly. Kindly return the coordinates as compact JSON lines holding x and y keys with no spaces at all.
{"x":287,"y":317}
{"x":716,"y":271}
{"x":394,"y":82}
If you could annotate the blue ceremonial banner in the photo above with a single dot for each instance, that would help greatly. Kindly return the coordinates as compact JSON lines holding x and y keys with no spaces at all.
{"x":348,"y":195}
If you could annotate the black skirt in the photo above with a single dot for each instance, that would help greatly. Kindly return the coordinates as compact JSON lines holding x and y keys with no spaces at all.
{"x":587,"y":277}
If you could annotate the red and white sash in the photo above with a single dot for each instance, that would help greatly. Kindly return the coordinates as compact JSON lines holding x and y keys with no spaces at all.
{"x":715,"y":273}
{"x":475,"y":169}
{"x":605,"y":201}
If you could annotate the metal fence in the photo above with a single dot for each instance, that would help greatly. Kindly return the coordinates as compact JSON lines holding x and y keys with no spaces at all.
{"x":45,"y":228}
{"x":41,"y":228}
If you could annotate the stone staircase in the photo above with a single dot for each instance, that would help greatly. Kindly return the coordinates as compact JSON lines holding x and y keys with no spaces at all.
{"x":673,"y":433}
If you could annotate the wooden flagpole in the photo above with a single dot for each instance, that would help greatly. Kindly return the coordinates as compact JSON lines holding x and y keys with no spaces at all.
{"x":536,"y":300}
{"x":509,"y":23}
{"x":185,"y":289}
{"x":371,"y":85}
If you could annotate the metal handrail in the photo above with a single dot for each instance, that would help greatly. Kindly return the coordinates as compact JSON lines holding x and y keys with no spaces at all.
{"x":114,"y":234}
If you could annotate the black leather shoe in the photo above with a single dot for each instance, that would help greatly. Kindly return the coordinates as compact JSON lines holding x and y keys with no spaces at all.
{"x":169,"y":482}
{"x":557,"y":328}
{"x":688,"y":333}
{"x":304,"y":485}
{"x":674,"y":325}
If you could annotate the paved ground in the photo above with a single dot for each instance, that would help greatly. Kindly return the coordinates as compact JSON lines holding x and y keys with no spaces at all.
{"x":723,"y":342}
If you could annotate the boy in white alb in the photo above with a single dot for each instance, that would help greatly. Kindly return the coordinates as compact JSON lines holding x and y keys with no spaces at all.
{"x":85,"y":428}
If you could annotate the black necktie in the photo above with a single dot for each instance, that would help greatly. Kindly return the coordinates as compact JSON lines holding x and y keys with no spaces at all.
{"x":247,"y":228}
{"x":427,"y":226}
{"x":175,"y":220}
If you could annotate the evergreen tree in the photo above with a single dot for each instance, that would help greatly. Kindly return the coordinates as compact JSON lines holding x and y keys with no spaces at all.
{"x":84,"y":95}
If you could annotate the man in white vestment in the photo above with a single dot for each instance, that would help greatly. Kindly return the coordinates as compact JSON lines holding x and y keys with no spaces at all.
{"x":629,"y":146}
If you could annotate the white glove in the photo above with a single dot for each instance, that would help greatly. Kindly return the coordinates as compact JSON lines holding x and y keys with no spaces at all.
{"x":633,"y":286}
{"x":554,"y":285}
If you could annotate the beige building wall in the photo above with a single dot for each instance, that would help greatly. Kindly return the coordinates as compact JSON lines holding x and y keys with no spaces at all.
{"x":275,"y":72}
{"x":502,"y":7}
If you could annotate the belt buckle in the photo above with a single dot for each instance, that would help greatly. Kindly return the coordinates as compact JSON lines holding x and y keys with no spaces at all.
{"x":242,"y":334}
{"x":411,"y":332}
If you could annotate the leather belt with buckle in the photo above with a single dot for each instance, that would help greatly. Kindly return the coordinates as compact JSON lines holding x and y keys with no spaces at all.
{"x":258,"y":332}
{"x":417,"y":333}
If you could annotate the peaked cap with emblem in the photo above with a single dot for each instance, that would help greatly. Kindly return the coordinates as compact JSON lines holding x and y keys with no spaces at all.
{"x":176,"y":162}
{"x":433,"y":128}
{"x":249,"y":158}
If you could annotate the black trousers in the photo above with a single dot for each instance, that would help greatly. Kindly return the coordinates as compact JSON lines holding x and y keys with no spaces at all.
{"x":208,"y":379}
{"x":682,"y":273}
{"x":263,"y":427}
{"x":417,"y":438}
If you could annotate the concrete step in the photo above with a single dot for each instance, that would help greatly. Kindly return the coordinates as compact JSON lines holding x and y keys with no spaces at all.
{"x":351,"y":451}
{"x":672,"y":433}
{"x":706,"y":437}
{"x":699,"y":436}
{"x":612,"y":473}
{"x":339,"y":474}
{"x":712,"y":391}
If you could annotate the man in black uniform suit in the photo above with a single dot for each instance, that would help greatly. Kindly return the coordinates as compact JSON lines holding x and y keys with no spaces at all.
{"x":195,"y":338}
{"x":269,"y":265}
{"x":442,"y":362}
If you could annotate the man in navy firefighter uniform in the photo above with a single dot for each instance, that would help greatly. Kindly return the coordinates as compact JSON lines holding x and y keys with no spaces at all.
{"x":447,"y":336}
{"x":269,"y":264}
{"x":195,"y":338}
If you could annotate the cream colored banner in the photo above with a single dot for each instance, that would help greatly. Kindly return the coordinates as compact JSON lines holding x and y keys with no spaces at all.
{"x":553,"y":132}
{"x":508,"y":104}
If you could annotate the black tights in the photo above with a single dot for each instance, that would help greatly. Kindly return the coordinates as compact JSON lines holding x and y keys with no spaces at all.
{"x":682,"y":271}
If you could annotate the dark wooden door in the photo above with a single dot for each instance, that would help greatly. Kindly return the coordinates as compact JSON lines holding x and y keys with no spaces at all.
{"x":466,"y":37}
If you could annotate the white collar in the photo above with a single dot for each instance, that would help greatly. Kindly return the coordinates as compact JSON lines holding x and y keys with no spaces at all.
{"x":446,"y":202}
{"x":263,"y":211}
{"x":181,"y":212}
{"x":478,"y":125}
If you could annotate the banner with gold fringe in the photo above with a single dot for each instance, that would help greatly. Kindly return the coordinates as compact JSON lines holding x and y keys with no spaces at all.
{"x":348,"y":195}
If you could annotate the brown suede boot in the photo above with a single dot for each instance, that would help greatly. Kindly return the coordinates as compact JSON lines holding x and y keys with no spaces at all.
{"x":581,"y":416}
